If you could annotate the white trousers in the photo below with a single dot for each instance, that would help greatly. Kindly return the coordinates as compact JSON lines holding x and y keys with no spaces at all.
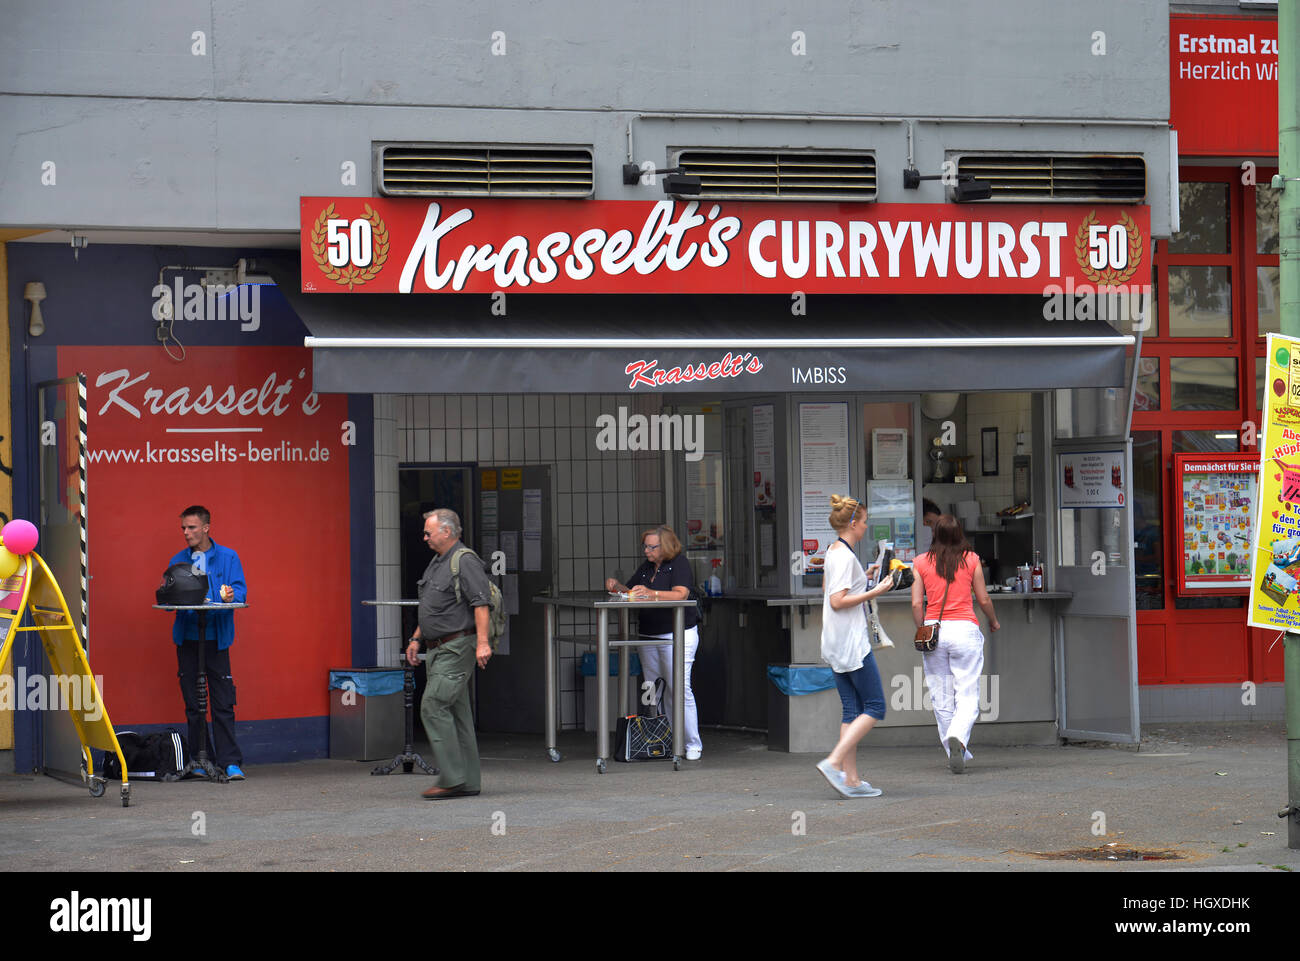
{"x":952,"y":675}
{"x":657,"y":662}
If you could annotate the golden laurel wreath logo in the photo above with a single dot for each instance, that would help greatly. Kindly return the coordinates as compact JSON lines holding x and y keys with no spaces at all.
{"x":1110,"y":276}
{"x":351,"y":275}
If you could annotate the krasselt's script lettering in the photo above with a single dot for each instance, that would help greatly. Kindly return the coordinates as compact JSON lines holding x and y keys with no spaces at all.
{"x":648,"y":373}
{"x":270,"y":399}
{"x":660,"y":243}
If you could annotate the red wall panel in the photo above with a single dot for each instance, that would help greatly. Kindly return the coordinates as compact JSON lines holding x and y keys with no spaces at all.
{"x":238,"y":431}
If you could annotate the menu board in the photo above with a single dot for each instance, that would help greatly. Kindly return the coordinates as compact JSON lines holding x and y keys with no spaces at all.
{"x":1274,"y":576}
{"x":1218,"y":494}
{"x":764,"y":440}
{"x":823,"y":471}
{"x":1090,"y":480}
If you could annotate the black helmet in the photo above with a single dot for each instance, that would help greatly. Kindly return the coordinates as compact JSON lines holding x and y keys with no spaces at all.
{"x":181,"y":585}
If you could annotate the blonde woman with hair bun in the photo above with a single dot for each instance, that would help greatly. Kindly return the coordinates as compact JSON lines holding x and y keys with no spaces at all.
{"x":846,"y":646}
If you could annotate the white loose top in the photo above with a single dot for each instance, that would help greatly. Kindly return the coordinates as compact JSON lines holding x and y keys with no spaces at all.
{"x":844,"y":632}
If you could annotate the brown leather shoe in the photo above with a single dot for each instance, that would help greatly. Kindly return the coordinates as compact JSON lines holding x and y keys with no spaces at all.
{"x":441,"y":793}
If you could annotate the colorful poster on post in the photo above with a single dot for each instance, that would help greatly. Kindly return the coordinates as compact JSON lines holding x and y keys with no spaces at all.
{"x":1276,"y":554}
{"x":1218,"y":494}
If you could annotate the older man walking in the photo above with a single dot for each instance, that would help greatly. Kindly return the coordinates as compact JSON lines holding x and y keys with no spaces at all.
{"x":453,"y":623}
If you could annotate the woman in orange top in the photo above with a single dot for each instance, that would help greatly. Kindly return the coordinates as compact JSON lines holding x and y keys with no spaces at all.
{"x":952,"y":670}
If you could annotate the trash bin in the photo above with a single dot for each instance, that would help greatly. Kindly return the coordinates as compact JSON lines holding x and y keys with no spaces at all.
{"x":803,"y":708}
{"x":588,"y":671}
{"x":366,"y":720}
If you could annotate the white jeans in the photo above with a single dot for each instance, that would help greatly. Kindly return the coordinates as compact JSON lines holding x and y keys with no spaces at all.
{"x":657,"y":661}
{"x":952,"y":675}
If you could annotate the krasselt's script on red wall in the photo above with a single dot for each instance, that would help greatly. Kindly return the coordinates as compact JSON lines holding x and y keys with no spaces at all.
{"x":406,"y":245}
{"x":238,"y":430}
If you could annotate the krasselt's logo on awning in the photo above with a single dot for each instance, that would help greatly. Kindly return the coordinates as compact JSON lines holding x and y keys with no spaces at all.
{"x":648,"y":373}
{"x":407,"y":245}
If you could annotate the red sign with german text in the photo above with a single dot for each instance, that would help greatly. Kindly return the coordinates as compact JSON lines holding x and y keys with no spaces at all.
{"x":239,"y":431}
{"x":444,"y":245}
{"x":1223,"y":85}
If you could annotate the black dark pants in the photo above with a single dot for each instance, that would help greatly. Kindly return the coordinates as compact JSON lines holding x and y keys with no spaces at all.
{"x":222,"y":747}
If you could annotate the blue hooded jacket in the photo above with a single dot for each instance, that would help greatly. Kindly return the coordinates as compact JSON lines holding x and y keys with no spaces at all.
{"x":223,"y":567}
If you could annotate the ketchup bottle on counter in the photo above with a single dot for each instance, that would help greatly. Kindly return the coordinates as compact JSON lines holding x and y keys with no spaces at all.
{"x":1036,"y":575}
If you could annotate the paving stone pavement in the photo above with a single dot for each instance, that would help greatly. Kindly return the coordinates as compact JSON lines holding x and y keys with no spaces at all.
{"x":1206,"y":794}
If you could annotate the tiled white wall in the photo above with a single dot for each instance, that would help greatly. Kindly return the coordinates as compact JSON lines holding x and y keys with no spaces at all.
{"x":387,"y":559}
{"x":601,"y":500}
{"x":1009,"y":413}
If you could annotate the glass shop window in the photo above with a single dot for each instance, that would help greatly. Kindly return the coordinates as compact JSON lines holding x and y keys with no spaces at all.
{"x":1204,"y":383}
{"x":1148,"y":522}
{"x":887,"y":444}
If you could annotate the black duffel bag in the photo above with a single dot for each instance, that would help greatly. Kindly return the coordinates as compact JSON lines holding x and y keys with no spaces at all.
{"x":160,"y":757}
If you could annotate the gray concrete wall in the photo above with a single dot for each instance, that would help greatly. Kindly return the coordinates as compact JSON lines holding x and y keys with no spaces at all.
{"x":146,"y":132}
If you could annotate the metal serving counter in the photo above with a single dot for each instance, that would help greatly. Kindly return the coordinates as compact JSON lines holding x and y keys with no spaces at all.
{"x":602,"y":602}
{"x":1017,"y":688}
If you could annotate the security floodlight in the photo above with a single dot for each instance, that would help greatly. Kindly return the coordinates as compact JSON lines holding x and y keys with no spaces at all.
{"x":967,"y":187}
{"x":675,"y":182}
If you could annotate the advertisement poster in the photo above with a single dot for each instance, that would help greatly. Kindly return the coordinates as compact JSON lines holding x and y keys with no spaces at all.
{"x":823,"y":471}
{"x":1276,"y":554}
{"x":764,"y":438}
{"x":11,"y":590}
{"x":703,"y":503}
{"x":239,"y":431}
{"x":1090,"y":480}
{"x":889,"y":452}
{"x":1218,"y":493}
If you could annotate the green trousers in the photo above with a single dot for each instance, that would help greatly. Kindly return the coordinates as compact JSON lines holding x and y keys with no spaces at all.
{"x":445,"y":712}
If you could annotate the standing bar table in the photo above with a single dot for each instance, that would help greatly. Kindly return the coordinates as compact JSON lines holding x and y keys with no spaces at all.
{"x":200,"y":761}
{"x":602,"y":602}
{"x":408,"y":758}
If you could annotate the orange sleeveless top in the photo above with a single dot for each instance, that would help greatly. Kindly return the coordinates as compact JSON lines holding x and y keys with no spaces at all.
{"x":960,"y":605}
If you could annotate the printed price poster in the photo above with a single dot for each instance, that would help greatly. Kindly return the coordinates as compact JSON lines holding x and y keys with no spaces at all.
{"x":1091,"y":480}
{"x":1276,"y":553}
{"x":703,"y":503}
{"x":764,"y":438}
{"x":823,"y":471}
{"x":1218,"y":493}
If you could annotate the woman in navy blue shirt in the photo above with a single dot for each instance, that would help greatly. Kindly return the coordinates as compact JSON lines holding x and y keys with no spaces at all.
{"x":666,"y":574}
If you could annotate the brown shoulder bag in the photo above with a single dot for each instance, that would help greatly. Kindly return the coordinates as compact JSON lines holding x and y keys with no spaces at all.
{"x":927,"y":635}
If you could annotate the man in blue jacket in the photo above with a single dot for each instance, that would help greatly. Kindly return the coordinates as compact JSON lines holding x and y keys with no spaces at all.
{"x":225,"y":585}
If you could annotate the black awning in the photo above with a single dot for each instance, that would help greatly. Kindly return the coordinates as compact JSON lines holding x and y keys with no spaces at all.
{"x":597,"y":343}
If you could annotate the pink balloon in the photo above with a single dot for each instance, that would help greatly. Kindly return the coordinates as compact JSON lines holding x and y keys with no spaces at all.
{"x":20,"y":536}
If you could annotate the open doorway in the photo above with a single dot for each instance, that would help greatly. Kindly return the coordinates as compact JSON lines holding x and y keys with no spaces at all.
{"x":420,"y":489}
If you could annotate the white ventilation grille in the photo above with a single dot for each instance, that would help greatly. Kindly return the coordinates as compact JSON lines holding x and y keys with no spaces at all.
{"x":440,"y":170}
{"x":1047,"y":178}
{"x":781,"y":175}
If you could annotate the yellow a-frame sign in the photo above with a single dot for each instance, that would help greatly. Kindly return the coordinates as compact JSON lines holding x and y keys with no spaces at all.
{"x":33,"y":589}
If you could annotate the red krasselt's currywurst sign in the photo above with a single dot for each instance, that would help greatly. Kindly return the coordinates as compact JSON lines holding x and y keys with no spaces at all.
{"x":386,"y":245}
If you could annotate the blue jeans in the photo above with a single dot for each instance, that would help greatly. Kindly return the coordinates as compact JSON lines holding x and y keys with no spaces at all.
{"x":861,"y":691}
